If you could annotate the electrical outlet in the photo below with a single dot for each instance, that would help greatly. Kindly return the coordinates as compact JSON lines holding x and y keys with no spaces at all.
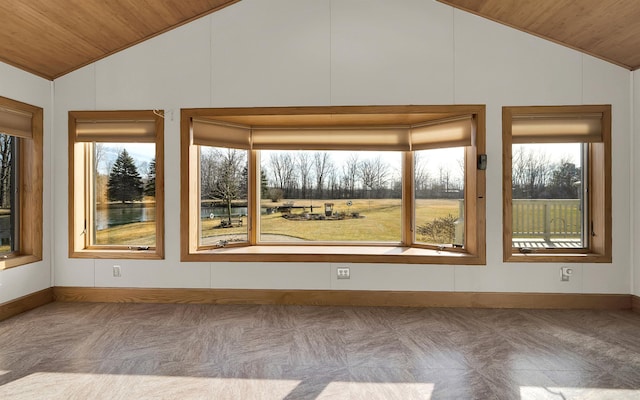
{"x":343,"y":272}
{"x":565,"y":273}
{"x":116,"y":271}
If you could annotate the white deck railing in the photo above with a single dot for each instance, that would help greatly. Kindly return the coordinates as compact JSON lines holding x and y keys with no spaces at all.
{"x":547,"y":219}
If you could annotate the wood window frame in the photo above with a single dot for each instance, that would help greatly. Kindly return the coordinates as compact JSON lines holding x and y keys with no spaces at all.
{"x":30,"y":186}
{"x":406,"y":252}
{"x":80,"y":183}
{"x":599,"y":246}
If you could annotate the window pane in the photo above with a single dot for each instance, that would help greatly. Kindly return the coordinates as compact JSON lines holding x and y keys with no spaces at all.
{"x":223,"y":195}
{"x":331,"y":196}
{"x":124,"y":194}
{"x":8,"y":198}
{"x":439,"y":196}
{"x":547,"y":181}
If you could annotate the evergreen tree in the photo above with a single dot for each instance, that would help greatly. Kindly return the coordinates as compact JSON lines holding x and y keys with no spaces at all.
{"x":124,"y":183}
{"x":565,"y":181}
{"x":150,"y":188}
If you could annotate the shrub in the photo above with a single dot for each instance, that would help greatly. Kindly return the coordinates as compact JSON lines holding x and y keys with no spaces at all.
{"x":439,"y":231}
{"x":275,"y":195}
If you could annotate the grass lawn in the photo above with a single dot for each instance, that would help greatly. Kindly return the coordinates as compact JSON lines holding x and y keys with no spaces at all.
{"x":136,"y":234}
{"x":381,"y":221}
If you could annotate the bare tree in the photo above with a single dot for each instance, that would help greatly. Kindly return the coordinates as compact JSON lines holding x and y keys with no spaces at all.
{"x":322,"y":164}
{"x":420,"y":172}
{"x":277,"y":169}
{"x":304,"y":164}
{"x":283,"y":169}
{"x":444,"y":174}
{"x":208,"y":172}
{"x":366,"y":174}
{"x":101,"y":169}
{"x":350,"y":174}
{"x":531,"y":173}
{"x":6,"y":161}
{"x":231,"y":163}
{"x":382,"y":175}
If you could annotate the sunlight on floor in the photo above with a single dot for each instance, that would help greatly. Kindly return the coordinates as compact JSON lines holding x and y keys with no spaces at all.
{"x":377,"y":390}
{"x":567,"y":393}
{"x":107,"y":386}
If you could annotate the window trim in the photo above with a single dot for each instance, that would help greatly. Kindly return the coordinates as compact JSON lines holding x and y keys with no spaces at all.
{"x":79,"y":205}
{"x":30,"y":184}
{"x":599,"y":248}
{"x":412,"y":253}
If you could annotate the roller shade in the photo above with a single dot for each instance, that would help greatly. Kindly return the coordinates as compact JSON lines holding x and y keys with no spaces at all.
{"x":334,"y":138}
{"x":118,"y":131}
{"x":557,"y":128}
{"x":16,"y":123}
{"x":221,"y":134}
{"x":451,"y":132}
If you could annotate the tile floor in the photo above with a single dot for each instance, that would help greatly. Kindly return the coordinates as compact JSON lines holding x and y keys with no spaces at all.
{"x":161,"y":351}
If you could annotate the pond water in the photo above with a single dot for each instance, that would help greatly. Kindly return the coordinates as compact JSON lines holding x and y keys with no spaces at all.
{"x":118,"y":215}
{"x":218,"y":212}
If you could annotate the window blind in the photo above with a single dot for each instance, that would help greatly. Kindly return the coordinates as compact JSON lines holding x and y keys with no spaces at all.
{"x":557,"y":128}
{"x":16,"y":123}
{"x":221,"y":134}
{"x":118,"y":131}
{"x":450,"y":132}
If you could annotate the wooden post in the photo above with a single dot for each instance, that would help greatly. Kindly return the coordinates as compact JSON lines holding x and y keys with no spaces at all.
{"x":547,"y":223}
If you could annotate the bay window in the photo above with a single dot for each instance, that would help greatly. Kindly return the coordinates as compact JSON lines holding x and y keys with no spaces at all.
{"x":361,"y":184}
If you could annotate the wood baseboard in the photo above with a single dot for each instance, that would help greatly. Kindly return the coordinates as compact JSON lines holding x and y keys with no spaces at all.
{"x":346,"y":298}
{"x":25,"y":303}
{"x":635,"y":303}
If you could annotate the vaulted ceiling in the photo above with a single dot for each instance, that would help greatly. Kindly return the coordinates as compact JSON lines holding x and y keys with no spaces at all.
{"x":52,"y":38}
{"x":607,"y":29}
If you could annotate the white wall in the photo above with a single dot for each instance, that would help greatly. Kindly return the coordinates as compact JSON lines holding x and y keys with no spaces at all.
{"x":22,"y":86}
{"x":345,"y":52}
{"x":635,"y":173}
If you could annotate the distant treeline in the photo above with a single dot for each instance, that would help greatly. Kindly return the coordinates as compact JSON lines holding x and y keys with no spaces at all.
{"x":316,"y":175}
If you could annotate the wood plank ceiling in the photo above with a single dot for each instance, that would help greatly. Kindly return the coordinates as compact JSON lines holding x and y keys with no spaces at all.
{"x":607,"y":29}
{"x":53,"y":37}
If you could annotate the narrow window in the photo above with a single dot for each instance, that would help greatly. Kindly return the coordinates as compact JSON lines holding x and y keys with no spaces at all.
{"x":224,"y":183}
{"x":439,"y":196}
{"x":117,"y":183}
{"x":548,"y":190}
{"x":20,"y":183}
{"x":557,"y":190}
{"x":9,"y":195}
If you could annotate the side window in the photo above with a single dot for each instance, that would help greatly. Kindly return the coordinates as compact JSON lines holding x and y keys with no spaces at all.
{"x":20,"y":183}
{"x":557,"y":183}
{"x":116,"y":184}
